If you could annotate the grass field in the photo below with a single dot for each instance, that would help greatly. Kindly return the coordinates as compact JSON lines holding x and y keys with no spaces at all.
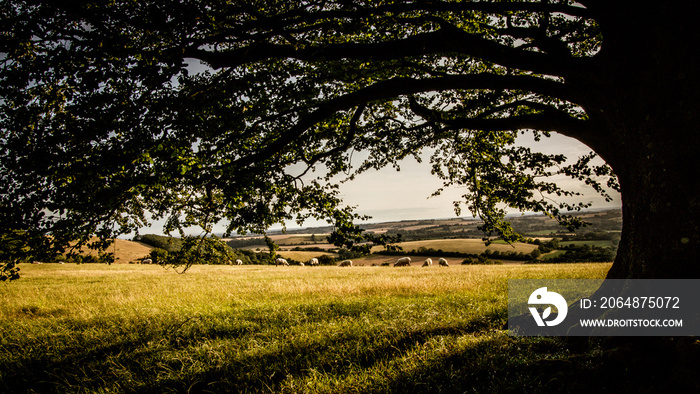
{"x":553,"y":254}
{"x":134,"y":328}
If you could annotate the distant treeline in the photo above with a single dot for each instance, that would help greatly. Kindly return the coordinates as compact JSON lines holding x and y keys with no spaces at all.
{"x":164,"y":245}
{"x":584,"y":253}
{"x":245,"y":242}
{"x":603,"y":221}
{"x":614,"y":237}
{"x":572,"y":254}
{"x":431,"y":252}
{"x":444,"y":231}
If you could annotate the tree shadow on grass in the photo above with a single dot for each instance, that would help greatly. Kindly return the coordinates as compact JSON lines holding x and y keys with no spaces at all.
{"x":260,"y":351}
{"x":136,"y":357}
{"x":78,"y":363}
{"x":561,"y":365}
{"x":331,"y":356}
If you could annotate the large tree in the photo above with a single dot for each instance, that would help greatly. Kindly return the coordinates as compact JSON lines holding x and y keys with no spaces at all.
{"x":106,"y":120}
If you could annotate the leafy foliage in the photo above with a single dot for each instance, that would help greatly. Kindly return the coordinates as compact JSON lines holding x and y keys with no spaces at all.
{"x":9,"y":271}
{"x":169,"y":244}
{"x":197,"y":250}
{"x":12,"y":251}
{"x":325,"y":259}
{"x":107,"y":122}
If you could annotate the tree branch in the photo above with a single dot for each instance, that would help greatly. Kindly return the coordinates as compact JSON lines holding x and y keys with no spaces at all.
{"x":443,"y":41}
{"x":342,"y":147}
{"x":396,"y":87}
{"x":551,"y":120}
{"x":548,"y":119}
{"x":303,"y":16}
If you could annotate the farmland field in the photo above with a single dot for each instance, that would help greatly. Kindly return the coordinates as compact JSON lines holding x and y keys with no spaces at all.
{"x":134,"y":328}
{"x":464,"y":245}
{"x":598,"y":243}
{"x":461,"y":245}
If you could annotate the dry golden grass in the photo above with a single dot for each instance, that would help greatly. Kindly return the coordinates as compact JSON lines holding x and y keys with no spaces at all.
{"x":124,"y":251}
{"x":143,"y":328}
{"x":94,"y":289}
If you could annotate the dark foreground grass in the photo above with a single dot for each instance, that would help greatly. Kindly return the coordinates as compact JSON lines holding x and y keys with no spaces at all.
{"x":330,"y":330}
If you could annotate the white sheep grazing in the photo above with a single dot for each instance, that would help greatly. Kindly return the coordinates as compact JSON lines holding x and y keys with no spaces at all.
{"x":345,"y":263}
{"x":428,"y":262}
{"x":313,"y":262}
{"x":443,"y":263}
{"x":239,"y":262}
{"x":301,"y":264}
{"x":403,"y":262}
{"x":281,"y":261}
{"x":146,"y":261}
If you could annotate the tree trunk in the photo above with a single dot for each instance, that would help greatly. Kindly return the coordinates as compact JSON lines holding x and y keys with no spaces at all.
{"x":661,"y":216}
{"x":643,"y":96}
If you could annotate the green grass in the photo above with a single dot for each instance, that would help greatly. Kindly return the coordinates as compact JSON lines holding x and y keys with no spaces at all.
{"x":553,"y":254}
{"x":539,"y":233}
{"x":134,"y":328}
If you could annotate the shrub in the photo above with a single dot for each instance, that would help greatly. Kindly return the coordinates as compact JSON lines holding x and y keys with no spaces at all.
{"x":481,"y":260}
{"x":170,"y":244}
{"x":326,"y":259}
{"x":159,"y":256}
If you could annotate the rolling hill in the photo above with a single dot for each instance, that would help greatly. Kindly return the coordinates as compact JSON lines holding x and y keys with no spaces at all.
{"x":124,"y":251}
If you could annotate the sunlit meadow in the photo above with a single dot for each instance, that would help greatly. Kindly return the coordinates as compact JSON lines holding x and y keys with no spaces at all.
{"x":136,"y":328}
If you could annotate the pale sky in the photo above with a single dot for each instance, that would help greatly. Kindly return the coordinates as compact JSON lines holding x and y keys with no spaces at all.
{"x":388,"y":195}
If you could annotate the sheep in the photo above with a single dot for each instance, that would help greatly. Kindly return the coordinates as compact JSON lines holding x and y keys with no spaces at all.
{"x":146,"y":261}
{"x":239,"y":262}
{"x":403,"y":262}
{"x":345,"y":263}
{"x":301,"y":264}
{"x":281,"y":261}
{"x":428,"y":262}
{"x":443,"y":263}
{"x":313,"y":262}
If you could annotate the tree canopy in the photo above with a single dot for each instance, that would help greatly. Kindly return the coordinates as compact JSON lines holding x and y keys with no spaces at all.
{"x":107,"y":123}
